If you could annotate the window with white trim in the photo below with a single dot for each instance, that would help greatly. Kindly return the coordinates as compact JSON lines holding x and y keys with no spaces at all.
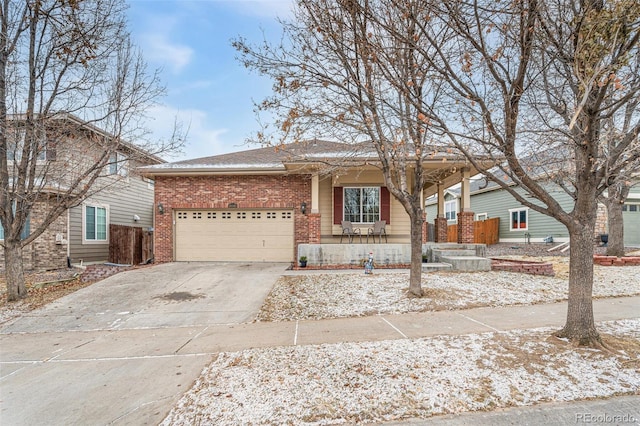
{"x":482,"y":216}
{"x":361,"y":205}
{"x":95,"y":220}
{"x":519,"y":219}
{"x":450,"y":209}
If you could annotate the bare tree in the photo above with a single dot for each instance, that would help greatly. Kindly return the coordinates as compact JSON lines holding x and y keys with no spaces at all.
{"x":539,"y":78}
{"x":67,"y":70}
{"x":620,"y":181}
{"x":340,"y":73}
{"x":510,"y":80}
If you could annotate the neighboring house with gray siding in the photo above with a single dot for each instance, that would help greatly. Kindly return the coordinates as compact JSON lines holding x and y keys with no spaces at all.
{"x":519,"y":224}
{"x":120,"y":197}
{"x":129,"y":202}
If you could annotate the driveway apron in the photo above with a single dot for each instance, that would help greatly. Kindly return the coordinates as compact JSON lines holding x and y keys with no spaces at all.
{"x":111,"y":353}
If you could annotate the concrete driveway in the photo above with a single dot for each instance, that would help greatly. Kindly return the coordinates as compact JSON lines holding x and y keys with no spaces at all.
{"x":113,"y":353}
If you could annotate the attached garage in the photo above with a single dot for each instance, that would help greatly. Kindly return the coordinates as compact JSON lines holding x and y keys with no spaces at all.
{"x":234,"y":235}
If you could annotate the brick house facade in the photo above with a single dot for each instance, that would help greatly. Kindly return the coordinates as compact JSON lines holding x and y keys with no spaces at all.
{"x":44,"y":252}
{"x":217,"y":192}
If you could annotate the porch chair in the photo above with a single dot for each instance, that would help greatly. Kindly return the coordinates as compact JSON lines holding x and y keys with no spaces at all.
{"x":350,"y":231}
{"x":379,"y":230}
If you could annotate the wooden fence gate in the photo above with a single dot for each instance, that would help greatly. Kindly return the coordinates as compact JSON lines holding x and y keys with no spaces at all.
{"x":484,"y":231}
{"x":129,"y":245}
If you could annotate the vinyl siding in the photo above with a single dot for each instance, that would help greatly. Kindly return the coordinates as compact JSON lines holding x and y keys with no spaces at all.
{"x":131,"y":197}
{"x":498,"y":203}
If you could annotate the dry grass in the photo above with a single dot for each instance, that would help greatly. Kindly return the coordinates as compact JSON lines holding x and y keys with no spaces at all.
{"x":42,"y":288}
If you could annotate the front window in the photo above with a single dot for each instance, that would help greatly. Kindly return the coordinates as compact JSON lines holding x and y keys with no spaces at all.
{"x":450,"y":208}
{"x":95,"y":223}
{"x":519,"y":219}
{"x":362,"y":205}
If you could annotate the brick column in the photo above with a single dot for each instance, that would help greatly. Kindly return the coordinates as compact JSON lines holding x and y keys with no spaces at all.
{"x":425,"y":228}
{"x":314,"y":228}
{"x":465,"y":228}
{"x":441,"y":229}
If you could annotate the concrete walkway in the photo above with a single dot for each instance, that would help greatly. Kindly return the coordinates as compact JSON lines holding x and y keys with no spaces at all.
{"x":63,"y":367}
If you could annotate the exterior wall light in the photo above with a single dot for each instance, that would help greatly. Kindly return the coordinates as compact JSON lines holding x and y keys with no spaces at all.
{"x":303,"y":208}
{"x":160,"y":208}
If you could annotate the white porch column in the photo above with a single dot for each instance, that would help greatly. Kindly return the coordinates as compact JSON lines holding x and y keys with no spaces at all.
{"x":465,"y":189}
{"x":315,"y":194}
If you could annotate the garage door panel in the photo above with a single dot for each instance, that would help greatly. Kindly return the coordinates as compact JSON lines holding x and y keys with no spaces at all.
{"x":247,"y":235}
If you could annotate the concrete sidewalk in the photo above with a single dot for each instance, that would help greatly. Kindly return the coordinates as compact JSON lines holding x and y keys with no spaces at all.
{"x":135,"y":374}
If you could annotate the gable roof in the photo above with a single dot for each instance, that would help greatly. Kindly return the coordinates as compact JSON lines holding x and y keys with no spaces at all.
{"x":125,"y":146}
{"x":281,"y":159}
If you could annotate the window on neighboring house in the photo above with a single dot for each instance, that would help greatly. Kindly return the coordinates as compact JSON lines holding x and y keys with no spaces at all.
{"x":150,"y":182}
{"x":95,"y":223}
{"x":25,"y":231}
{"x":118,"y":164}
{"x":482,"y":216}
{"x":362,"y":205}
{"x":15,"y":147}
{"x":631,"y":207}
{"x":519,"y":219}
{"x":450,"y":209}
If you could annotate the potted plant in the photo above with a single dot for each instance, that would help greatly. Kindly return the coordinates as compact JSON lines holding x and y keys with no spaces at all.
{"x":425,"y":258}
{"x":303,"y":261}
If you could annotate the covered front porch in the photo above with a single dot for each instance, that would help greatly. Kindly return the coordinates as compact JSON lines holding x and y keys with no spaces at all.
{"x":323,"y":215}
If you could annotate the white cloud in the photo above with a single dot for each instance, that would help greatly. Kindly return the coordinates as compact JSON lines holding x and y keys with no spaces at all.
{"x":160,"y":50}
{"x":202,"y":141}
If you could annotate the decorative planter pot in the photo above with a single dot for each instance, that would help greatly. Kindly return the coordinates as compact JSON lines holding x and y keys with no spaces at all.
{"x":604,"y":238}
{"x":303,"y":263}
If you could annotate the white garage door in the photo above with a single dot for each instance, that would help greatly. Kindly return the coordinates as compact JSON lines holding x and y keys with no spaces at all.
{"x":234,"y":235}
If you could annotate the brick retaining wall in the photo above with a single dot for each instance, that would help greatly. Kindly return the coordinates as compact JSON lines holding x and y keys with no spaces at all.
{"x":523,"y":266}
{"x":100,"y":272}
{"x":616,"y":261}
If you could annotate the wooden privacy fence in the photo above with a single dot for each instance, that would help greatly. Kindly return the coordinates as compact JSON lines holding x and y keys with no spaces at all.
{"x":484,"y":231}
{"x":129,"y":245}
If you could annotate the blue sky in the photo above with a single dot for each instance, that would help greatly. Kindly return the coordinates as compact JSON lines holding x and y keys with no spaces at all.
{"x":207,"y":87}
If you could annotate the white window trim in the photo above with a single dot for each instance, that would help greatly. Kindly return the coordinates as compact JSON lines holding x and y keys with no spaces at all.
{"x":344,"y":202}
{"x":526,"y":228}
{"x":84,"y":223}
{"x":482,"y":216}
{"x":453,"y":202}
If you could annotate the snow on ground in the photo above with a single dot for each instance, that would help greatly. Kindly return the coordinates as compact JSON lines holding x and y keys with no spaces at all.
{"x":394,"y":380}
{"x":366,"y":382}
{"x":319,"y":296}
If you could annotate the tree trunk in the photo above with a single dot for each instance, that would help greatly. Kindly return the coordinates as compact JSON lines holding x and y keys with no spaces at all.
{"x":415,"y":275}
{"x":16,"y":287}
{"x":615,"y":245}
{"x":580,"y":326}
